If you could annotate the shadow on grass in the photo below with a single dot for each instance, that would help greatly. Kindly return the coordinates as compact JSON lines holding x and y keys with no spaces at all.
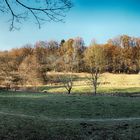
{"x":59,"y":89}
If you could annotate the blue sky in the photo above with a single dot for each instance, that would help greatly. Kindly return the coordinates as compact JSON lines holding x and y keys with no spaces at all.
{"x":89,"y":19}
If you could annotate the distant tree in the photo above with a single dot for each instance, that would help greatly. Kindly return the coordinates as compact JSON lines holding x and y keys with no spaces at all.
{"x":123,"y":56}
{"x":117,"y":60}
{"x":40,"y":54}
{"x":40,"y":44}
{"x":9,"y":75}
{"x":113,"y":58}
{"x":127,"y":59}
{"x":115,"y":41}
{"x":121,"y":41}
{"x":125,"y":41}
{"x":72,"y":52}
{"x":78,"y":53}
{"x":52,"y":45}
{"x":136,"y":58}
{"x":67,"y":55}
{"x":5,"y":69}
{"x":30,"y":71}
{"x":138,"y":42}
{"x":38,"y":10}
{"x":108,"y":52}
{"x":53,"y":55}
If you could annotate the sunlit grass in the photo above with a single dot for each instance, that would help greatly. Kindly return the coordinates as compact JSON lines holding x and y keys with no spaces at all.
{"x":89,"y":89}
{"x":109,"y":83}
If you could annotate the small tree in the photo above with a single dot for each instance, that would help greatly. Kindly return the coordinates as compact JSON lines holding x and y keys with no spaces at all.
{"x":94,"y":79}
{"x":68,"y":58}
{"x":67,"y":80}
{"x":95,"y":60}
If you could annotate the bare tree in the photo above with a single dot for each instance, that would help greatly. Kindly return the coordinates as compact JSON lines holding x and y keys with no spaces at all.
{"x":67,"y":80}
{"x":94,"y":79}
{"x":95,"y":61}
{"x":69,"y":61}
{"x":39,"y":11}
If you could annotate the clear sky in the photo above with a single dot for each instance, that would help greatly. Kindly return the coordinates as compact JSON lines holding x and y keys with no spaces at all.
{"x":89,"y":19}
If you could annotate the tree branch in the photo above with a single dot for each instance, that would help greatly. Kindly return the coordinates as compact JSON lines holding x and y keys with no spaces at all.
{"x":42,"y":11}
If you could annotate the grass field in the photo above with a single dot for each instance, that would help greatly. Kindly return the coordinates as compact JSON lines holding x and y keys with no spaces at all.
{"x":109,"y":83}
{"x":36,"y":116}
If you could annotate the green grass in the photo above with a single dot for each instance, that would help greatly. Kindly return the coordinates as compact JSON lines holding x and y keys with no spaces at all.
{"x":61,"y":106}
{"x":89,"y":89}
{"x":72,"y":106}
{"x":17,"y":128}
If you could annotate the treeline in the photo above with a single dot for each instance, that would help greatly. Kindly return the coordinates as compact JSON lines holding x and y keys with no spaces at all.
{"x":29,"y":64}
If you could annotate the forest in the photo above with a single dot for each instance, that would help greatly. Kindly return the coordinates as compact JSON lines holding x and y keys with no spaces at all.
{"x":29,"y":64}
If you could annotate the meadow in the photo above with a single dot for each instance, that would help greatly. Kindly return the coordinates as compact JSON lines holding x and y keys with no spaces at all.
{"x":109,"y":83}
{"x":29,"y":116}
{"x":54,"y":115}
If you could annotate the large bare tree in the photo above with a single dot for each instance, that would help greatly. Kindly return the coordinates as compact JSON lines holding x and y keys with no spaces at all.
{"x":39,"y":11}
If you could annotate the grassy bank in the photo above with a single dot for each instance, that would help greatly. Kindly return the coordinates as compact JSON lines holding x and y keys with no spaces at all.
{"x":19,"y":128}
{"x":72,"y":106}
{"x":44,"y":116}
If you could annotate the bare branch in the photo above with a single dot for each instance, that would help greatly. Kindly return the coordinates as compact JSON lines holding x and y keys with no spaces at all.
{"x":41,"y":10}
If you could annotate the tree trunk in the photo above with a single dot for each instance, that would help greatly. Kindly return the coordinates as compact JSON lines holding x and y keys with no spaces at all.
{"x":69,"y":91}
{"x":95,"y":90}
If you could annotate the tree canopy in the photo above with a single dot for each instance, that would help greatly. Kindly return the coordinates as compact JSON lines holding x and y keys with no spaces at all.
{"x":20,"y":65}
